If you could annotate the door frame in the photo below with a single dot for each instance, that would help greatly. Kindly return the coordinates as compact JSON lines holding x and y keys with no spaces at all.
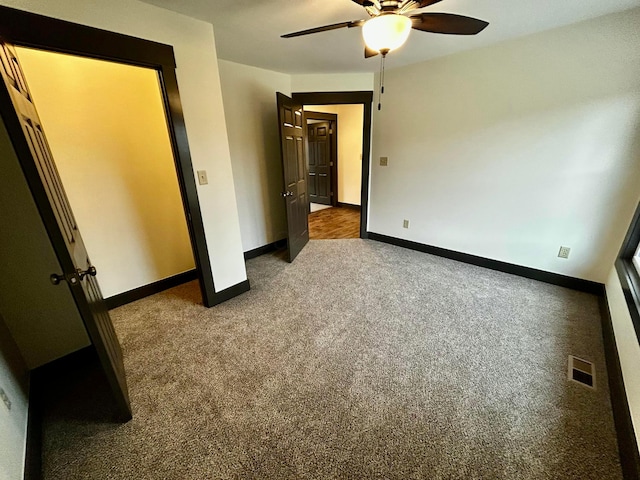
{"x":31,"y":30}
{"x":332,"y":118}
{"x":346,"y":98}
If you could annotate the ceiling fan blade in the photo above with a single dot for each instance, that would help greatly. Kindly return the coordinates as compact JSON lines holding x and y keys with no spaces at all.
{"x":334,"y":26}
{"x":364,"y":3}
{"x":448,"y":23}
{"x":426,"y":3}
{"x":369,"y":52}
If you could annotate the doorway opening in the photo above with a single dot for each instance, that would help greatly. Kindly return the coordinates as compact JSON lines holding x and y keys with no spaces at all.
{"x":44,"y":33}
{"x":107,"y":129}
{"x":334,"y":135}
{"x":350,"y":181}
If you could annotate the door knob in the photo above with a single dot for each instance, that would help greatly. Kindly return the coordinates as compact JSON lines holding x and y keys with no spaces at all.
{"x":287,"y":194}
{"x":73,"y":278}
{"x":89,"y":271}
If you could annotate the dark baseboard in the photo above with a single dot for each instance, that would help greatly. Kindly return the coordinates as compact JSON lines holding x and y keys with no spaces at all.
{"x":33,"y":454}
{"x":146,"y":290}
{"x":627,"y":444}
{"x":527,"y":272}
{"x":349,"y":205}
{"x":270,"y":247}
{"x":229,"y":293}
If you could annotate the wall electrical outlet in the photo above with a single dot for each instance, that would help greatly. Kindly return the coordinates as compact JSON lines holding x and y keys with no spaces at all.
{"x":405,"y":224}
{"x":384,"y":161}
{"x":202,"y":177}
{"x":564,"y":252}
{"x":5,"y":399}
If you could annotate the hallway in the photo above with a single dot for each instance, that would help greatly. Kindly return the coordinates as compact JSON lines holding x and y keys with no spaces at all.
{"x":334,"y":223}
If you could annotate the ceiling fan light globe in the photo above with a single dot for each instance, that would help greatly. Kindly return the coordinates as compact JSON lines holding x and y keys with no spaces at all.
{"x":386,"y":32}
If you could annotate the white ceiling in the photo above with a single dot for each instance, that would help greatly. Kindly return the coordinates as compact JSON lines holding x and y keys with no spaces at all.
{"x":248,"y":31}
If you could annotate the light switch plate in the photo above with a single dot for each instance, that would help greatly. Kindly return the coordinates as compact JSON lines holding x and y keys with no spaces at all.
{"x":384,"y":161}
{"x":202,"y":177}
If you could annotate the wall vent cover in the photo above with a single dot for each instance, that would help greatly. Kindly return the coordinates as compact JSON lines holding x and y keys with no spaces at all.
{"x":581,"y":371}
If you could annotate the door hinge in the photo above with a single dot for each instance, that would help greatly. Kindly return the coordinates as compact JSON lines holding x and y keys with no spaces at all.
{"x":331,"y":164}
{"x":331,"y":132}
{"x":332,"y":194}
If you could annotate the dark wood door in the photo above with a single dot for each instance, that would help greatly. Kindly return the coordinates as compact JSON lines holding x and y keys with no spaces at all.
{"x":29,"y":141}
{"x":319,"y":180}
{"x":294,"y":169}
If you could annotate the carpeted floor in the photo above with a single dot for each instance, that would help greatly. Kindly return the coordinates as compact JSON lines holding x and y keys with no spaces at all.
{"x":360,"y":361}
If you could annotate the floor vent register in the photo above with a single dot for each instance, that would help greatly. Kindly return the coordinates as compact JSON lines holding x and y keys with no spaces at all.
{"x":582,"y":372}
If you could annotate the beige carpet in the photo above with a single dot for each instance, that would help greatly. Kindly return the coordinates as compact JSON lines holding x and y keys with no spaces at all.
{"x":359,"y":360}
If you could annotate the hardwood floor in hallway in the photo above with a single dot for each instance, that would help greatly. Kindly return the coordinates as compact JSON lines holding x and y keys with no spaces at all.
{"x":336,"y":222}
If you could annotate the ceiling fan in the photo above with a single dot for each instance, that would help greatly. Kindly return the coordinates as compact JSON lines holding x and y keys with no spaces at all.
{"x":392,"y":20}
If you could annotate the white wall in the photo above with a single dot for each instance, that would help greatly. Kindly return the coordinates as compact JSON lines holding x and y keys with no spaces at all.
{"x":627,"y":345}
{"x":199,"y":83}
{"x":107,"y":129}
{"x":350,"y":120}
{"x":332,"y":82}
{"x":510,"y":151}
{"x":13,"y":423}
{"x":249,"y":95}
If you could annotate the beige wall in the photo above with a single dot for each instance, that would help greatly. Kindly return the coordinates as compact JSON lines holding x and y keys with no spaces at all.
{"x":107,"y":129}
{"x":332,"y":82}
{"x":509,"y":152}
{"x":350,"y":120}
{"x":249,"y":95}
{"x":199,"y":83}
{"x":350,"y":123}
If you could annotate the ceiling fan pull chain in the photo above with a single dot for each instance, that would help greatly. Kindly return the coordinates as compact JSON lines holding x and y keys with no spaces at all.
{"x":383,"y":59}
{"x":381,"y":90}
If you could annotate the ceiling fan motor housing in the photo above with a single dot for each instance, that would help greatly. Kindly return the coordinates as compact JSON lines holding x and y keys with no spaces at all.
{"x":389,"y":5}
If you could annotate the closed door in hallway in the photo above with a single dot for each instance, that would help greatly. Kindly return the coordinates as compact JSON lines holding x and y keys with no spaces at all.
{"x":319,"y":179}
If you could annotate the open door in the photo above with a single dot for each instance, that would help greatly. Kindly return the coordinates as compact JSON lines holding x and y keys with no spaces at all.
{"x":28,"y":138}
{"x":294,"y":168}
